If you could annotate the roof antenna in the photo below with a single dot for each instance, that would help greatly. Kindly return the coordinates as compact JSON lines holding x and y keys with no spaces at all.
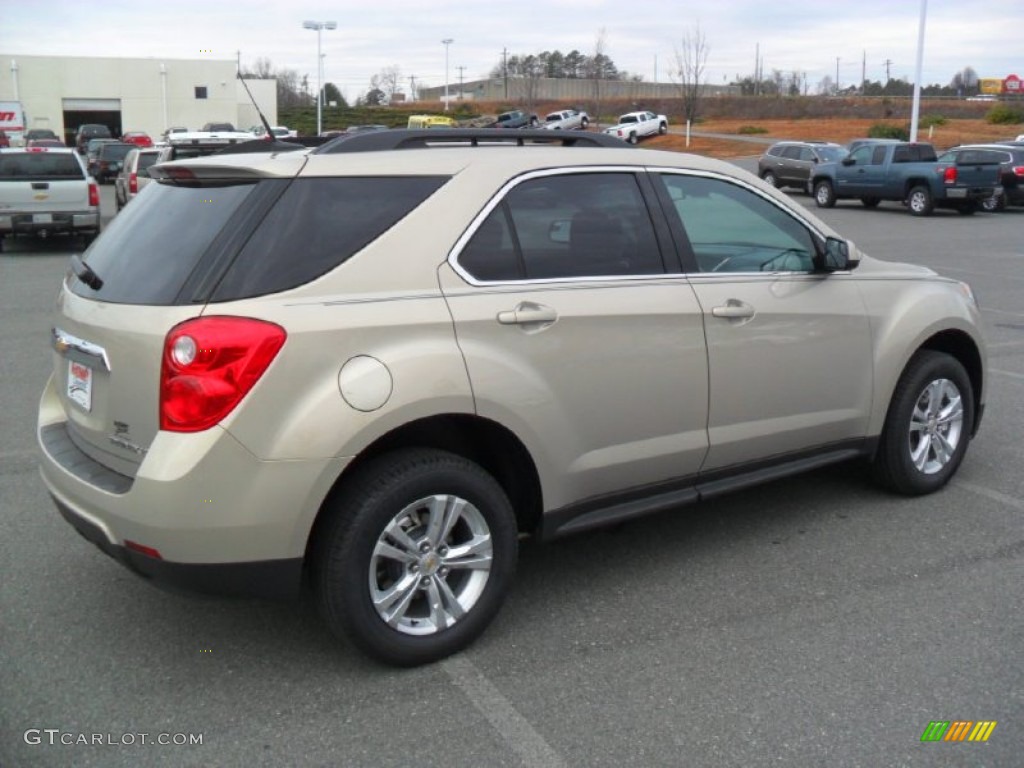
{"x":263,"y":119}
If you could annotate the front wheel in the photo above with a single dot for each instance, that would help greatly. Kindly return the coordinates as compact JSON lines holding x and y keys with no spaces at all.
{"x":920,"y":201}
{"x":770,"y":179}
{"x":929,"y":423}
{"x":824,"y":195}
{"x":416,"y":556}
{"x":584,"y":123}
{"x":663,"y":129}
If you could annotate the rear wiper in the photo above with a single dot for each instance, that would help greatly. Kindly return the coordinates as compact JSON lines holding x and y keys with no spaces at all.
{"x":84,"y":273}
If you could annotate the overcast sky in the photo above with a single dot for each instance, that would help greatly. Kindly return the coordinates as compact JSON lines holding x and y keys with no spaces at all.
{"x":641,"y":36}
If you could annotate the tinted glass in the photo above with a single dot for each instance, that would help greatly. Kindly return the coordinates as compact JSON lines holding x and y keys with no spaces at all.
{"x":831,"y":154}
{"x":151,"y":247}
{"x":731,"y":229}
{"x":115,"y":151}
{"x":582,"y":225}
{"x":490,"y":254}
{"x":776,"y":151}
{"x":147,"y":159}
{"x":878,"y":156}
{"x":315,"y":226}
{"x":39,"y":166}
{"x":792,"y":153}
{"x":862,"y":155}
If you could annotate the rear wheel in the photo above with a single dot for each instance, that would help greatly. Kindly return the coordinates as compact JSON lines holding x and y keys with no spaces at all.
{"x":824,"y":195}
{"x":920,"y":201}
{"x":929,"y":423}
{"x":633,"y":138}
{"x":995,"y":203}
{"x":416,"y":557}
{"x":770,"y":179}
{"x":870,"y":202}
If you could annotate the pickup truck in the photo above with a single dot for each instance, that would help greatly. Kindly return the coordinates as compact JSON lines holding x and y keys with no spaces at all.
{"x":633,"y":126}
{"x":567,"y":120}
{"x":46,"y":191}
{"x":515,"y":119}
{"x":906,"y":172}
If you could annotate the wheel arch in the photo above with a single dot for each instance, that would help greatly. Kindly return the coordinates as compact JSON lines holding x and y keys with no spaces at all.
{"x":963,"y":348}
{"x":487,"y":443}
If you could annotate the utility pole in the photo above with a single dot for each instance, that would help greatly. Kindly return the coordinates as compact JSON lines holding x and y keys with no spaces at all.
{"x":504,"y":59}
{"x":238,"y":64}
{"x":863,"y":72}
{"x":757,"y":64}
{"x":837,"y":75}
{"x":461,"y":70}
{"x":412,"y":87}
{"x":888,"y":64}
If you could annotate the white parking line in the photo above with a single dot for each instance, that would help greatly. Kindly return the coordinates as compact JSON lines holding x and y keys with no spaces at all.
{"x":517,"y":732}
{"x":988,"y":493}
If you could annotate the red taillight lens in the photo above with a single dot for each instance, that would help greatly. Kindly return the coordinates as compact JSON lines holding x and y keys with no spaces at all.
{"x":142,"y":549}
{"x":133,"y":183}
{"x":94,"y":195}
{"x":209,"y":365}
{"x":1018,"y":170}
{"x":949,"y":175}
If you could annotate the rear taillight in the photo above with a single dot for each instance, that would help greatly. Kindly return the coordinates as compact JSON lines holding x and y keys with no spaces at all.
{"x":1018,"y":170}
{"x":209,"y":365}
{"x":949,"y":175}
{"x":94,"y":195}
{"x":133,"y":183}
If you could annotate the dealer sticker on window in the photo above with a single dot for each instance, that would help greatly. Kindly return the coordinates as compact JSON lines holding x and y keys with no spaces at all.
{"x":80,"y":385}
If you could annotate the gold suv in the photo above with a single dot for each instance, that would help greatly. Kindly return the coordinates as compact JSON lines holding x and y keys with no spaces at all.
{"x":371,"y":367}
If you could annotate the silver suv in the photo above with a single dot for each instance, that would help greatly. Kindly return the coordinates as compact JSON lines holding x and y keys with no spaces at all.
{"x":371,"y":367}
{"x":791,"y":163}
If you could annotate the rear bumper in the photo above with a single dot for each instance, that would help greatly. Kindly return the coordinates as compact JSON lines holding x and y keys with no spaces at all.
{"x":32,"y":223}
{"x":222,"y":520}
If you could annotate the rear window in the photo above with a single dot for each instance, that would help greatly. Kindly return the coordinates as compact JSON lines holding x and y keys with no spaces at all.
{"x":39,"y":166}
{"x":316,"y":225}
{"x":147,"y":159}
{"x":151,"y":248}
{"x":115,"y":151}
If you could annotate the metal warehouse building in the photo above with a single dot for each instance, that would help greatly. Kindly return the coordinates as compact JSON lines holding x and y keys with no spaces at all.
{"x":61,"y":93}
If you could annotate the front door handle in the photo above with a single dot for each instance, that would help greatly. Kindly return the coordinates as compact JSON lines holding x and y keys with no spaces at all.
{"x":734,"y":309}
{"x":528,"y":313}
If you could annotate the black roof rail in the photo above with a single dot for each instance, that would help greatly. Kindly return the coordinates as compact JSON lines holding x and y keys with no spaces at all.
{"x":380,"y":141}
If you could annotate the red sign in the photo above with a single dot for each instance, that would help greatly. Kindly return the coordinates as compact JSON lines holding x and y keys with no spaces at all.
{"x":1012,"y":84}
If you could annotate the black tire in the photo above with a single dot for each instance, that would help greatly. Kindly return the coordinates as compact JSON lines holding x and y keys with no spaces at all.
{"x":995,"y":203}
{"x":584,"y":123}
{"x":770,"y":179}
{"x":968,"y":209}
{"x":824,"y":195}
{"x":663,"y":128}
{"x":920,"y":201}
{"x":394,"y":492}
{"x":870,"y":202}
{"x":633,"y":138}
{"x":895,"y":465}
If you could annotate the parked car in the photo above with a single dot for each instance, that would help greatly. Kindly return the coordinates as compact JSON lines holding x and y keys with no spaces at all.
{"x":178,"y":129}
{"x":92,"y":149}
{"x":34,"y":134}
{"x":634,"y":126}
{"x":566,"y":120}
{"x":46,"y":192}
{"x":907,"y":172}
{"x":430,"y":121}
{"x":351,"y":372}
{"x":1011,"y":170}
{"x":515,"y":118}
{"x":109,"y":158}
{"x":137,"y":138}
{"x":90,"y":131}
{"x":134,"y":173}
{"x":44,"y":143}
{"x":790,"y":163}
{"x":218,"y":127}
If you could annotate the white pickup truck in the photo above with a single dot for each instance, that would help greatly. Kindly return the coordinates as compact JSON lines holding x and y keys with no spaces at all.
{"x":46,"y":191}
{"x":633,"y":126}
{"x":567,"y":120}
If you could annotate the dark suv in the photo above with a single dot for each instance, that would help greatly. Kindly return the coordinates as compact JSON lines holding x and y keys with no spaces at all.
{"x":789,"y":163}
{"x":108,"y":160}
{"x":90,"y":131}
{"x":1011,"y":170}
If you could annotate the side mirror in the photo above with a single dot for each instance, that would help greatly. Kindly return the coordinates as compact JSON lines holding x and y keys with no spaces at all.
{"x":836,"y":256}
{"x":848,"y":161}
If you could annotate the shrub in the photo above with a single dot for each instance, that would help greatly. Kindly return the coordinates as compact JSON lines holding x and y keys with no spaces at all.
{"x":887,"y":131}
{"x":1005,"y":114}
{"x":746,"y":130}
{"x":927,"y":121}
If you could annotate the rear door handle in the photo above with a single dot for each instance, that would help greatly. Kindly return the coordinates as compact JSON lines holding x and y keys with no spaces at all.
{"x":734,"y":309}
{"x":528,"y":313}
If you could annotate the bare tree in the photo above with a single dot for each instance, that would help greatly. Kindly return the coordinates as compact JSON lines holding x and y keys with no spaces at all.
{"x":262,"y":68}
{"x":389,"y":80}
{"x":595,"y":70}
{"x":690,"y":64}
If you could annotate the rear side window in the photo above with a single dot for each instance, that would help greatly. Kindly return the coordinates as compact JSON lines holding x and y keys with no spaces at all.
{"x":39,"y":166}
{"x":149,"y":250}
{"x":316,"y":225}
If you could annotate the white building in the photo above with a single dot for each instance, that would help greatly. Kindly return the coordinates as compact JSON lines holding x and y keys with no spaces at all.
{"x":151,"y":95}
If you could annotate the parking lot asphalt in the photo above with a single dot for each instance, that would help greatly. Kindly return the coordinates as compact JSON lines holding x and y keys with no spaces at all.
{"x":816,"y":621}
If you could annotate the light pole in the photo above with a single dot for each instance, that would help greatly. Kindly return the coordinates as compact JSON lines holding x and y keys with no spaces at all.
{"x":446,"y":42}
{"x":319,"y":26}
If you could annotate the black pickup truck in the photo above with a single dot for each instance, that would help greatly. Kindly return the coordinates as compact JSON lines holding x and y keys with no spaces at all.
{"x":906,"y":172}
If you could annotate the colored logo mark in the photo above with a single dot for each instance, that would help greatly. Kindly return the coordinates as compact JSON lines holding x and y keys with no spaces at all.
{"x":958,"y":730}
